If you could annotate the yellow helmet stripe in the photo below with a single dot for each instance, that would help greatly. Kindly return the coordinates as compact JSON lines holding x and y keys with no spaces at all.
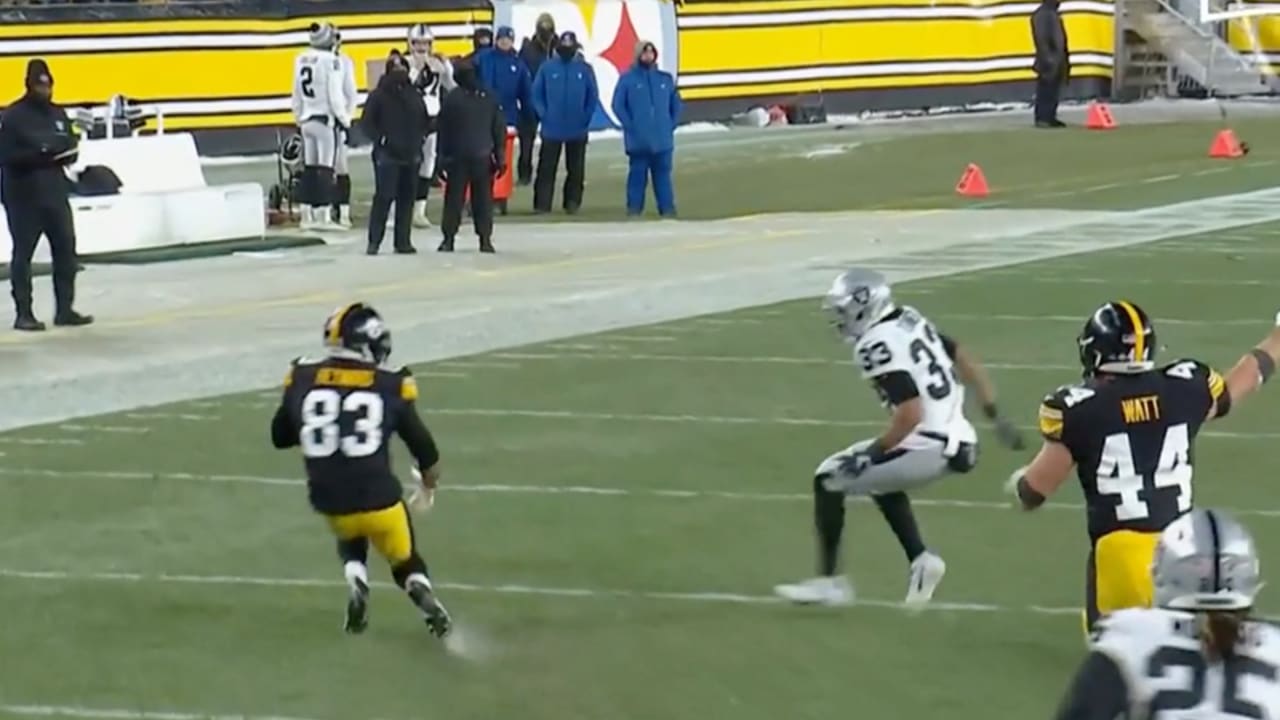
{"x":334,"y":333}
{"x":1139,"y":331}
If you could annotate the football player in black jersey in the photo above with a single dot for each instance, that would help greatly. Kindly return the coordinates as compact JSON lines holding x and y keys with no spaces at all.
{"x":342,"y":411}
{"x":1129,"y":429}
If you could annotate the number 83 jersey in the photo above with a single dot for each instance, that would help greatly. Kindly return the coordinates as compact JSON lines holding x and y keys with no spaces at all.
{"x":342,"y":413}
{"x":1131,"y":437}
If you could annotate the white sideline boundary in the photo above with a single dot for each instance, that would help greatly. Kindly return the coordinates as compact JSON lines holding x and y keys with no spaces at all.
{"x":583,"y":490}
{"x":88,"y":713}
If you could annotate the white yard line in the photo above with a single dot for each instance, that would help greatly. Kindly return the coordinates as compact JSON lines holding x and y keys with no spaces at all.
{"x":124,"y":429}
{"x":738,"y":359}
{"x":196,"y":417}
{"x":510,"y":589}
{"x":90,"y":713}
{"x":1263,"y":322}
{"x":39,"y":441}
{"x":580,"y":490}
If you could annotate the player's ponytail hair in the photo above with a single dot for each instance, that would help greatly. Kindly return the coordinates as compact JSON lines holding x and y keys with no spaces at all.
{"x":1221,"y":631}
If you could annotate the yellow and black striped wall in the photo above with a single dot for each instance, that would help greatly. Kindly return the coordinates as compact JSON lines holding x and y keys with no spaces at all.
{"x":881,"y":54}
{"x":1257,"y":37}
{"x":221,"y":68}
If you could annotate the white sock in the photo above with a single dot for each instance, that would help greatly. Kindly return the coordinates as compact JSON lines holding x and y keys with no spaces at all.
{"x":344,"y":213}
{"x":420,"y":208}
{"x":417,"y":579}
{"x":354,"y":570}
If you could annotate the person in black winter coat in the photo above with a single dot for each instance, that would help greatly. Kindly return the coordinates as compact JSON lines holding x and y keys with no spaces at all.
{"x":1052,"y":64}
{"x":396,"y":119}
{"x":470,"y":143}
{"x":36,"y":142}
{"x":535,"y":51}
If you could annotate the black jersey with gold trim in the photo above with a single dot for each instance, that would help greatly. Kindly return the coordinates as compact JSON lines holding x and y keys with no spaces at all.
{"x":1131,"y":437}
{"x":342,"y":412}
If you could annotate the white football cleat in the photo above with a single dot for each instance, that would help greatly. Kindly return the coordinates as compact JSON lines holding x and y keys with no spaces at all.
{"x":344,"y":216}
{"x":830,"y":591}
{"x":310,"y":218}
{"x":420,"y":219}
{"x":926,"y":572}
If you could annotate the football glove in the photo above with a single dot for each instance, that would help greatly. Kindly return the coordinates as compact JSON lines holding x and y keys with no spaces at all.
{"x":421,"y":498}
{"x":1007,"y":434}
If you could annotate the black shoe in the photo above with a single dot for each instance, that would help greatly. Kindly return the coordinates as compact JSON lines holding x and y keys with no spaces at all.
{"x":71,"y":318}
{"x":407,"y":250}
{"x":446,"y":245}
{"x":433,"y":612}
{"x":1057,"y":123}
{"x":372,"y":249}
{"x":27,"y":322}
{"x":524,"y":181}
{"x":541,"y":211}
{"x":571,"y":209}
{"x":357,"y":608}
{"x":486,"y":245}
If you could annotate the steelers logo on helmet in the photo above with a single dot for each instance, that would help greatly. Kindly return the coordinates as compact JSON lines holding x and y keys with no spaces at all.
{"x":1117,"y":338}
{"x":358,"y":331}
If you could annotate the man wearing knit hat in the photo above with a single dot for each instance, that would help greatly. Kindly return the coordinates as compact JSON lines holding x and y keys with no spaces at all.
{"x":536,"y":49}
{"x":36,"y":142}
{"x":647,"y":105}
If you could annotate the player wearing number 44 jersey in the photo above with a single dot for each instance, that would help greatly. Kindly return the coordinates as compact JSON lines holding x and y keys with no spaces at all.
{"x":1196,"y":654}
{"x":1129,"y":429}
{"x":342,"y":411}
{"x":917,"y":372}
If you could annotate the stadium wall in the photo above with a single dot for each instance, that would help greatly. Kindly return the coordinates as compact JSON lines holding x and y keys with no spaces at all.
{"x":221,"y":69}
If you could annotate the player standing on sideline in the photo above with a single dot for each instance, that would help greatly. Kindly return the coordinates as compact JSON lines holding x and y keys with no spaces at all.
{"x":432,"y":74}
{"x":342,"y":411}
{"x":342,"y":160}
{"x":1128,"y":429}
{"x":1197,"y":653}
{"x":917,"y":372}
{"x":320,"y":109}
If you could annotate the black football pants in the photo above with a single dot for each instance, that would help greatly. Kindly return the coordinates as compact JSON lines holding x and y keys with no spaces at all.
{"x":476,"y":174}
{"x":398,"y":183}
{"x":26,"y":224}
{"x":575,"y":165}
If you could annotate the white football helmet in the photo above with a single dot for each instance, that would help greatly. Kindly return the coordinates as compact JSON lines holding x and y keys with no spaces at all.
{"x":1207,"y":561}
{"x":421,"y":40}
{"x":858,"y":298}
{"x":322,"y":35}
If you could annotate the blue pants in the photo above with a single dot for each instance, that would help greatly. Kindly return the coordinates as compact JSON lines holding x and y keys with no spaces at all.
{"x":642,"y":167}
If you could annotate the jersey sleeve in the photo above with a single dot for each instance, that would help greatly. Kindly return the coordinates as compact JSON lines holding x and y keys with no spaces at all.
{"x":408,"y":385}
{"x":1052,"y":416}
{"x":411,"y":428}
{"x":1210,"y":387}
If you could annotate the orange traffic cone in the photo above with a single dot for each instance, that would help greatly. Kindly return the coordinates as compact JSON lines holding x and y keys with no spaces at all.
{"x":1226,"y":145}
{"x":972,"y":183}
{"x":1099,"y":117}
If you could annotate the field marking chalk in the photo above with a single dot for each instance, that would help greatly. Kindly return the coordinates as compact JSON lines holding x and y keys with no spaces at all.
{"x":88,"y":713}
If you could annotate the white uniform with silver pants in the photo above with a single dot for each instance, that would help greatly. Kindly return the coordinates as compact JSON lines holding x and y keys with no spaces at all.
{"x":321,"y":112}
{"x":341,"y":158}
{"x":432,"y":74}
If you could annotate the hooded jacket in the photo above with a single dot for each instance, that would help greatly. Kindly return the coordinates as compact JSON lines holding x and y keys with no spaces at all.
{"x":505,"y":74}
{"x":471,"y":126}
{"x":395,"y":118}
{"x":565,"y":96}
{"x":36,"y":141}
{"x":537,"y":49}
{"x":647,"y":105}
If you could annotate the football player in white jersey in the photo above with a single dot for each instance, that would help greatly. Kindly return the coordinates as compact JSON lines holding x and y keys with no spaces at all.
{"x":917,"y":372}
{"x":1196,"y":654}
{"x":342,"y":160}
{"x":321,"y":111}
{"x":432,"y":74}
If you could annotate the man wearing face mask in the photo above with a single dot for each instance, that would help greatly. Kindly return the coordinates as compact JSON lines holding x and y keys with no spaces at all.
{"x":36,"y":142}
{"x":565,"y":96}
{"x":397,"y":122}
{"x":481,"y":41}
{"x":471,"y":141}
{"x":647,"y":105}
{"x":535,"y":51}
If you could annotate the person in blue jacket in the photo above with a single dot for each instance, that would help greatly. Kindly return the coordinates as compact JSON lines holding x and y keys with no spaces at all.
{"x":504,"y":73}
{"x":647,"y":106}
{"x":565,"y":96}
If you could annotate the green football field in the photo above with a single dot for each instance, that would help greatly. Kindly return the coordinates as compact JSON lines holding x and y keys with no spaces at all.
{"x":616,"y":507}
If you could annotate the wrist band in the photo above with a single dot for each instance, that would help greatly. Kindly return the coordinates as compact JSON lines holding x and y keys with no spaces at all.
{"x":990,"y":411}
{"x":1266,"y":366}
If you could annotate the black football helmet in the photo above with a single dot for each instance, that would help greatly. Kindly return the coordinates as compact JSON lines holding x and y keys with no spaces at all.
{"x":1117,"y":338}
{"x":356,"y":330}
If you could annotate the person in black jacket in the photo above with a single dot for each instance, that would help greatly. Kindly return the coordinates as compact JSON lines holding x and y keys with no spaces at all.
{"x":535,"y":51}
{"x":1052,"y":64}
{"x":471,"y":146}
{"x":396,"y":119}
{"x":36,"y":142}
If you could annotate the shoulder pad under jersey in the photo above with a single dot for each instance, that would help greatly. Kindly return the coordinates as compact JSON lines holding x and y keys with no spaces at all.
{"x":1196,"y":371}
{"x":408,"y":384}
{"x":1057,"y":404}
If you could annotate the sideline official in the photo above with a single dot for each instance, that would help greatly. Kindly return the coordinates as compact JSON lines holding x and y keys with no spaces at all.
{"x":396,"y":120}
{"x":471,"y":142}
{"x":36,"y":142}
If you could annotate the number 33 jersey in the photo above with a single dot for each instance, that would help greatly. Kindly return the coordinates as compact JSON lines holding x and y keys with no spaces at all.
{"x":1131,"y":439}
{"x":342,"y":413}
{"x":1167,"y":676}
{"x":905,"y":358}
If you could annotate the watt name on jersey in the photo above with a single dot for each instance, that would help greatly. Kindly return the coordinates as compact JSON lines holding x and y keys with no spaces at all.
{"x":1158,"y":653}
{"x":907,"y":342}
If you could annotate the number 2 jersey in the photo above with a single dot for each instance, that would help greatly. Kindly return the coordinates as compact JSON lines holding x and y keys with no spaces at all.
{"x":1131,"y":438}
{"x":342,"y":413}
{"x":905,"y":357}
{"x":1157,"y":670}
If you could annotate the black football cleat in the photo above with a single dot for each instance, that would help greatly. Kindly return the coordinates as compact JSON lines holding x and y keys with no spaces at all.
{"x":406,"y":250}
{"x":486,"y":246}
{"x":433,"y":612}
{"x":357,"y":607}
{"x":71,"y":318}
{"x":446,"y":245}
{"x":28,"y":323}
